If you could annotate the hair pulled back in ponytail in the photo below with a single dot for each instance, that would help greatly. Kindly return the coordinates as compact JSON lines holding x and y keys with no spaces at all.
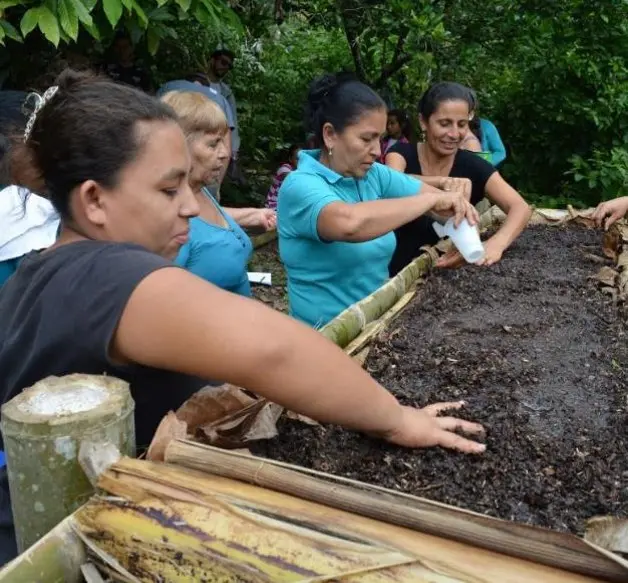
{"x":87,"y":130}
{"x":339,"y":100}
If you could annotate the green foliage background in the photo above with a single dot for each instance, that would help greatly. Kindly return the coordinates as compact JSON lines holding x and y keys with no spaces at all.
{"x":553,"y":76}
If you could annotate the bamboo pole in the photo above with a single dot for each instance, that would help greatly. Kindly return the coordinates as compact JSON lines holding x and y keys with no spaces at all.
{"x":263,"y":239}
{"x":546,"y":547}
{"x":55,"y":558}
{"x":345,"y":327}
{"x":43,"y":428}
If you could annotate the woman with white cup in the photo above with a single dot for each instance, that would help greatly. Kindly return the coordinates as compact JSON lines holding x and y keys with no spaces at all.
{"x":444,"y":112}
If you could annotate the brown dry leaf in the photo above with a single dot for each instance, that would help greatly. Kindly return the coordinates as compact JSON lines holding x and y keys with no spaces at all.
{"x":301,"y":418}
{"x":612,"y":242}
{"x":235,"y":430}
{"x":606,"y":276}
{"x":212,"y":403}
{"x":170,"y":428}
{"x":608,"y":532}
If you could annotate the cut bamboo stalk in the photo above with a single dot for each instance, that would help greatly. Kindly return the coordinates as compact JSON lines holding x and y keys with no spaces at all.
{"x":547,"y":547}
{"x":263,"y":239}
{"x":375,"y":328}
{"x":43,"y":428}
{"x":56,"y":558}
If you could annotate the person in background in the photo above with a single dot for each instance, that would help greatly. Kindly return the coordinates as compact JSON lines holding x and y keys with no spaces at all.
{"x":472,"y":141}
{"x":27,"y":222}
{"x":199,"y":82}
{"x":124,"y":68}
{"x":398,"y":129}
{"x":338,"y":209}
{"x":491,"y":141}
{"x":126,"y":202}
{"x":444,"y":112}
{"x":280,"y":175}
{"x":611,"y":211}
{"x":218,"y":249}
{"x":221,"y":63}
{"x":12,"y":112}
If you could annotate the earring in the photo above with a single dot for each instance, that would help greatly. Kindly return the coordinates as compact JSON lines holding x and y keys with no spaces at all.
{"x":330,"y":152}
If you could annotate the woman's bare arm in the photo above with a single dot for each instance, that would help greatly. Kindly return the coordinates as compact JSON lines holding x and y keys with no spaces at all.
{"x":245,"y":217}
{"x":176,"y":321}
{"x":517,"y":210}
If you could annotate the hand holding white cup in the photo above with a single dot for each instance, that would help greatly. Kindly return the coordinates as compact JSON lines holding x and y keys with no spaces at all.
{"x":465,"y":237}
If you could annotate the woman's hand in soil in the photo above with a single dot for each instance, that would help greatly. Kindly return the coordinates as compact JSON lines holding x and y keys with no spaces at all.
{"x":610,"y":211}
{"x":493,"y":252}
{"x":424,"y":428}
{"x":455,"y":204}
{"x":453,"y":259}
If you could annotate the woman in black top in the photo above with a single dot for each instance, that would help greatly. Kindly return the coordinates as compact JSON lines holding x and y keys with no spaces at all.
{"x":444,"y":112}
{"x":106,"y":298}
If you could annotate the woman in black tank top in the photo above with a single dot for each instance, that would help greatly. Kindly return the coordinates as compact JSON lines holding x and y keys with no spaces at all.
{"x":444,"y":112}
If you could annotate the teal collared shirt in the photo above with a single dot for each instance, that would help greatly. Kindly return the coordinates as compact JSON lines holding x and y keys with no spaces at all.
{"x":325,"y":278}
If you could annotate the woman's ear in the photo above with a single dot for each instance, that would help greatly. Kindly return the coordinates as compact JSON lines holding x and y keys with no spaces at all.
{"x":329,"y":136}
{"x":90,"y":203}
{"x":422,"y":123}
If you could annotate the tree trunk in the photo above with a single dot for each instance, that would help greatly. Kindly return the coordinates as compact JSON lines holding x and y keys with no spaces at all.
{"x":43,"y":428}
{"x":349,"y":12}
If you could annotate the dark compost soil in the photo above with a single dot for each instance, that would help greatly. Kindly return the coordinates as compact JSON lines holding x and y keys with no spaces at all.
{"x":539,"y":353}
{"x":266,"y":259}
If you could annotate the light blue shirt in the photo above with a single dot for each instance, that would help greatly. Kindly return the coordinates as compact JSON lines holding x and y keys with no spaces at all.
{"x":492,"y":142}
{"x":325,"y":278}
{"x":218,"y":254}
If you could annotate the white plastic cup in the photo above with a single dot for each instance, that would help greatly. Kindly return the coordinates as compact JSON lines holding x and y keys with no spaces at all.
{"x":465,"y":237}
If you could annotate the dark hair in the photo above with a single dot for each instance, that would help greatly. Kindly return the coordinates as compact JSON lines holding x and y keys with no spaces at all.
{"x":339,"y":100}
{"x":441,"y":92}
{"x":5,"y":147}
{"x":404,"y":122}
{"x":86,"y":131}
{"x":476,"y":127}
{"x":223,"y":53}
{"x":293,"y":149}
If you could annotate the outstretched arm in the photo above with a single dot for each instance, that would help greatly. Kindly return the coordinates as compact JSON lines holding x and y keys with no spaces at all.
{"x":176,"y":321}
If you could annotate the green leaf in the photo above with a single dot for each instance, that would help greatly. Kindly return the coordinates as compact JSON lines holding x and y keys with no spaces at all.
{"x":184,"y":4}
{"x":49,"y":25}
{"x":4,"y":4}
{"x":10,"y":31}
{"x":2,"y":35}
{"x":113,"y":11}
{"x":152,"y":41}
{"x":29,"y":21}
{"x":140,"y":13}
{"x":68,"y":18}
{"x":82,"y":11}
{"x":93,"y":30}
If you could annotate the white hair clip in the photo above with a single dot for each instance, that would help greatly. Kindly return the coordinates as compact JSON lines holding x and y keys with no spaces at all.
{"x":40,"y":101}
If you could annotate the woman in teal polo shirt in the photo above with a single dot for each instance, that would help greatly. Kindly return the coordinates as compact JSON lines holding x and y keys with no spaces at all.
{"x":338,"y":209}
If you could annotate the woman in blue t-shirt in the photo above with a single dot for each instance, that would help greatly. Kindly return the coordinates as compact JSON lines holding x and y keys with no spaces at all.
{"x":218,"y":249}
{"x":338,"y":209}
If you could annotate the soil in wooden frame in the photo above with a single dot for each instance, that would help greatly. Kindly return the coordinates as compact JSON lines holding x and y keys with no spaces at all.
{"x":540,"y":355}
